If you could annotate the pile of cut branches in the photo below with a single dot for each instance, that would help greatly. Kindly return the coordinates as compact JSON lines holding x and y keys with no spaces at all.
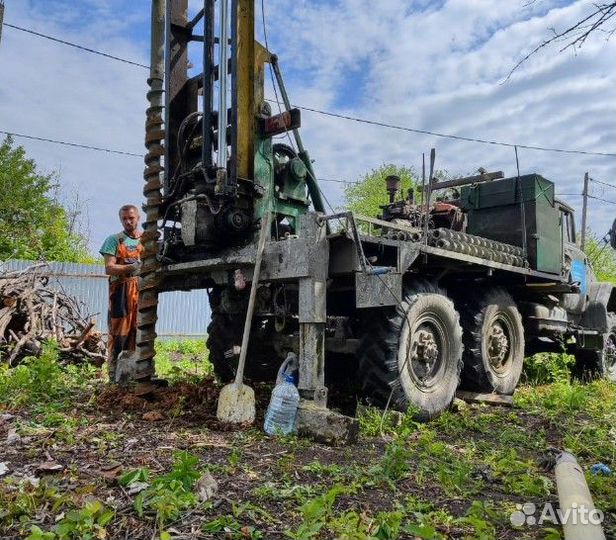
{"x":33,"y":311}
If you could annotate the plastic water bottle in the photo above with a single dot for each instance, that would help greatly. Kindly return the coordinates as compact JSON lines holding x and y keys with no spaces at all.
{"x":282,"y":410}
{"x":289,"y":367}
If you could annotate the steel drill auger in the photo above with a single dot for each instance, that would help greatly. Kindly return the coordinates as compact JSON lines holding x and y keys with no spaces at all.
{"x":150,"y":270}
{"x":150,"y":275}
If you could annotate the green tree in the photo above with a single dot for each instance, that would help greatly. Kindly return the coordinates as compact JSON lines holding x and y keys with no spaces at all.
{"x":602,"y":259}
{"x":366,"y":196}
{"x":33,"y":224}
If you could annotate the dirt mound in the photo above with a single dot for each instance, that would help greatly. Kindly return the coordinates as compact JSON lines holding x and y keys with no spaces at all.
{"x":191,"y":402}
{"x":182,"y":397}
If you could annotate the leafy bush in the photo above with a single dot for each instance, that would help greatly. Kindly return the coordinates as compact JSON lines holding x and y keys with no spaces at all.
{"x":33,"y":224}
{"x":352,"y":525}
{"x":368,"y":194}
{"x":42,"y":380}
{"x":230,"y":528}
{"x":395,"y":462}
{"x":602,"y":259}
{"x":564,"y":397}
{"x":21,"y":500}
{"x":374,"y":421}
{"x":546,"y":368}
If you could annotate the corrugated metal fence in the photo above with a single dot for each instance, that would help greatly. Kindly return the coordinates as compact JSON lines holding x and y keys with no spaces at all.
{"x":180,"y":314}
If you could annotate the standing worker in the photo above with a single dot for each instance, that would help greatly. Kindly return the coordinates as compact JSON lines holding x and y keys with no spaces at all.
{"x":122,"y":253}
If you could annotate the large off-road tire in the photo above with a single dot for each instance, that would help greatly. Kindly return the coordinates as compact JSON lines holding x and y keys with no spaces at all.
{"x":222,"y":333}
{"x":493,"y":343}
{"x":412,"y":355}
{"x":596,"y":364}
{"x":225,"y":332}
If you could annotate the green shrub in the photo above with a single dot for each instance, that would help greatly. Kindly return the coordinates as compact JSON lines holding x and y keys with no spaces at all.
{"x":38,"y":379}
{"x":546,"y":368}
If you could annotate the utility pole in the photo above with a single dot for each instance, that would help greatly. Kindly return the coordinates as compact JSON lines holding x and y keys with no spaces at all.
{"x":584,"y":210}
{"x":1,"y":17}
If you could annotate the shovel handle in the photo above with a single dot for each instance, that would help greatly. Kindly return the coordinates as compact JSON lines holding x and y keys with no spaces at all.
{"x":264,"y":233}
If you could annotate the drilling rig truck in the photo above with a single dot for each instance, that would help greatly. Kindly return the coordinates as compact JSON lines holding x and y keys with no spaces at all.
{"x":406,"y":307}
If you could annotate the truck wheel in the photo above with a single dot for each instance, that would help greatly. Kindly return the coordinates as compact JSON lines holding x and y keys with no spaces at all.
{"x":596,"y":364}
{"x":222,"y":333}
{"x":225,"y":331}
{"x":493,"y":343}
{"x":413,"y":356}
{"x":609,"y":351}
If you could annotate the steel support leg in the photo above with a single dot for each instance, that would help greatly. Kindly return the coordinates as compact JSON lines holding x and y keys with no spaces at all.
{"x":313,"y":313}
{"x":314,"y":419}
{"x":312,"y":354}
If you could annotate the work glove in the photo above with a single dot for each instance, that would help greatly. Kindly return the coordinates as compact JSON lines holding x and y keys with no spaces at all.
{"x":135,"y":268}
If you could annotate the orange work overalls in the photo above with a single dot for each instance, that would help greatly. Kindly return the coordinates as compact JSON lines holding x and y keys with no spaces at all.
{"x":123,"y":298}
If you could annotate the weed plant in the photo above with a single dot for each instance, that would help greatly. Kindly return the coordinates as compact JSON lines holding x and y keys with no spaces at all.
{"x":169,"y":494}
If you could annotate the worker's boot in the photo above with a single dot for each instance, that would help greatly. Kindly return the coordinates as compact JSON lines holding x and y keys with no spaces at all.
{"x":127,"y":373}
{"x":112,"y":364}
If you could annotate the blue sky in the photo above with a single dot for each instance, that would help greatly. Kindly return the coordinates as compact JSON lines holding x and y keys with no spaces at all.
{"x":430,"y":65}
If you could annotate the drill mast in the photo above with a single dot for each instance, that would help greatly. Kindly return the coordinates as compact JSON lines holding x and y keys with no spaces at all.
{"x":212,"y":170}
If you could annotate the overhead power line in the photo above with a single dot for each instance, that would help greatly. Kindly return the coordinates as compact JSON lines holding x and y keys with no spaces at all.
{"x":602,"y":200}
{"x":80,"y":47}
{"x":344,"y":116}
{"x":133,"y":154}
{"x":455,"y":137}
{"x":602,"y":183}
{"x":74,"y":145}
{"x":337,"y":181}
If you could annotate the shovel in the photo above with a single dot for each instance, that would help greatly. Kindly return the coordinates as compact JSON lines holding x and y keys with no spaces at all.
{"x":236,"y":402}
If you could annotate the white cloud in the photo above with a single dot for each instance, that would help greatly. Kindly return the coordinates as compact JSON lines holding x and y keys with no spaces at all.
{"x":442,"y":69}
{"x":430,"y":65}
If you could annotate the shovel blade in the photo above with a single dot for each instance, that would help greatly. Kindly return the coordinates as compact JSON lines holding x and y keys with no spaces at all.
{"x":236,"y":404}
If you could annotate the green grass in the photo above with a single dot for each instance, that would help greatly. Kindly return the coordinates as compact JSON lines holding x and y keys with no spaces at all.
{"x":182,"y":359}
{"x":458,"y":476}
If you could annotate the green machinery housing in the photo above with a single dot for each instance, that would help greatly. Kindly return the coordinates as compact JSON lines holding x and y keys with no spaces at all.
{"x":519,"y":211}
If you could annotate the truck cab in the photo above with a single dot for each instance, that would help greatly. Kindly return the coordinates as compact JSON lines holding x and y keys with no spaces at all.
{"x":575,"y":264}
